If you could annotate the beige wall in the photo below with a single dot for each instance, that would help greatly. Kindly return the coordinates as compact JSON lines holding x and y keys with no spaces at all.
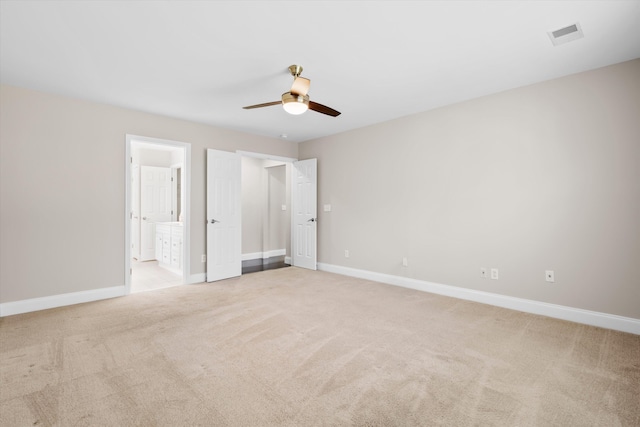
{"x":278,"y":227}
{"x":545,"y":177}
{"x":62,"y":173}
{"x":253,"y":200}
{"x":147,"y":157}
{"x":536,"y":178}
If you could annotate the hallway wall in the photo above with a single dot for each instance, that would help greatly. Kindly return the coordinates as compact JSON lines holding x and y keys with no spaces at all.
{"x":265,"y":226}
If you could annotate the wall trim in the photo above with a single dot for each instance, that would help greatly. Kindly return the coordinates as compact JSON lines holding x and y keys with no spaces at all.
{"x":263,"y":255}
{"x":593,"y":318}
{"x":55,"y":301}
{"x":63,"y":300}
{"x":266,"y":156}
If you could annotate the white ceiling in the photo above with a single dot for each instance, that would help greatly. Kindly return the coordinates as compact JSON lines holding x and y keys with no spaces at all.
{"x":373,"y":61}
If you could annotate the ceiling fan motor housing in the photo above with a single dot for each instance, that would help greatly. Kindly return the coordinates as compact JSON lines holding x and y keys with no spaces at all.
{"x":295,"y":104}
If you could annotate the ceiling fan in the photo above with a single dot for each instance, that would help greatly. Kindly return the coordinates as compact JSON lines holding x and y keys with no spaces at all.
{"x":296,"y":101}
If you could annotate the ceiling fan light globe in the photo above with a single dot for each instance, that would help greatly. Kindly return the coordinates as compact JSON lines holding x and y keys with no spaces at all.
{"x":295,"y":108}
{"x":295,"y":104}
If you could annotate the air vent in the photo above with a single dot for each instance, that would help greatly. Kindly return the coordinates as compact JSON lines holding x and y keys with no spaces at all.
{"x":566,"y":34}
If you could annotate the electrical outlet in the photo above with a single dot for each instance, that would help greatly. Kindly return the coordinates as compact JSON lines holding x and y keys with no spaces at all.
{"x":550,"y":276}
{"x":204,"y":258}
{"x":483,"y":273}
{"x":494,"y":274}
{"x":346,"y":253}
{"x":405,"y":262}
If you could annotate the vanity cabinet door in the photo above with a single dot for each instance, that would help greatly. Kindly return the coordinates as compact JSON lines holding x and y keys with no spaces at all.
{"x":176,"y":248}
{"x":169,"y":246}
{"x":158,"y":246}
{"x":166,"y":248}
{"x":163,"y":243}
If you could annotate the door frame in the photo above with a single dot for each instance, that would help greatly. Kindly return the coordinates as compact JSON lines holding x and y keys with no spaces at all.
{"x":135,"y":179}
{"x":174,"y":183}
{"x":186,"y":213}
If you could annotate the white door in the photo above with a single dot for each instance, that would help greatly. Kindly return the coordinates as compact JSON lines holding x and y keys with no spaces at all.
{"x":305,"y":219}
{"x":224,"y":219}
{"x":135,"y":211}
{"x":155,"y":206}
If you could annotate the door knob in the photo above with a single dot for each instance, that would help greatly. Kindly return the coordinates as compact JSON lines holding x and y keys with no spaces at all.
{"x":144,"y":218}
{"x":213,"y":221}
{"x":312,"y":220}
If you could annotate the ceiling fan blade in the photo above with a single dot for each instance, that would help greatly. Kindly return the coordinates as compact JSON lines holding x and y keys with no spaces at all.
{"x":323,"y":109}
{"x":300,"y":86}
{"x":266,"y":104}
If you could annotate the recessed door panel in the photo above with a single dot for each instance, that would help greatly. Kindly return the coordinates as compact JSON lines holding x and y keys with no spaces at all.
{"x":223,"y":215}
{"x":305,"y":219}
{"x":155,"y":206}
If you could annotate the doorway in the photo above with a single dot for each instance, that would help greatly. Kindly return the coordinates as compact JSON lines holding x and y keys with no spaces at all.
{"x":266,"y":214}
{"x":157,"y":213}
{"x":224,"y":213}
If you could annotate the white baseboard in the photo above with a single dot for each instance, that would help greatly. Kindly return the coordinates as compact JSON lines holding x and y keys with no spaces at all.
{"x":253,"y":255}
{"x":53,"y":301}
{"x":263,"y":255}
{"x":275,"y":252}
{"x":287,"y":260}
{"x":594,"y":318}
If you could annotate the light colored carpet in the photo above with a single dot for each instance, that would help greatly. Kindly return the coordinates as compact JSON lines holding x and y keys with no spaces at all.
{"x":292,"y":347}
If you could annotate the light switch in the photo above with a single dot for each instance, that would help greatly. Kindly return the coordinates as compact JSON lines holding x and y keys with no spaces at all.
{"x":327,"y":208}
{"x":284,"y":207}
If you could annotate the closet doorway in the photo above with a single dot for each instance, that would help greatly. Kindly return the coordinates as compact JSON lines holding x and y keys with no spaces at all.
{"x":266,"y":212}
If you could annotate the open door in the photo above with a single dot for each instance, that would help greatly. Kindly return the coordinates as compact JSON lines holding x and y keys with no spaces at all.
{"x":155,"y":206}
{"x":305,"y":218}
{"x":223,"y":215}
